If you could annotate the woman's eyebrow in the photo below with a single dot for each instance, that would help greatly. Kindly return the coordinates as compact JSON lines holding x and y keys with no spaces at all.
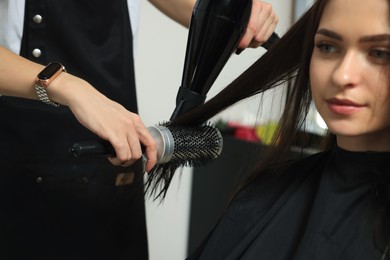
{"x":329,"y":33}
{"x":375,"y":38}
{"x":368,"y":38}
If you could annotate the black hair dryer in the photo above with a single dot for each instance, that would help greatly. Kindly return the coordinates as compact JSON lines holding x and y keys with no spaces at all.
{"x":215,"y":30}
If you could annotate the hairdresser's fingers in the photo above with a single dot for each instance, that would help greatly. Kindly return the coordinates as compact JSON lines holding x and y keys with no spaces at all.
{"x":118,"y":162}
{"x":128,"y":160}
{"x":125,"y":139}
{"x":128,"y":149}
{"x":139,"y":136}
{"x":263,"y":20}
{"x":150,"y":149}
{"x":149,"y":146}
{"x":265,"y":31}
{"x":144,"y":138}
{"x":268,"y":21}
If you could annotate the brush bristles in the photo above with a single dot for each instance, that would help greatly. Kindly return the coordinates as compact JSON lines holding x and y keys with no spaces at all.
{"x":194,"y":146}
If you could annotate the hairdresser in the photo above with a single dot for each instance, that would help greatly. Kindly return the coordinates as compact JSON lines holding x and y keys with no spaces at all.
{"x":55,"y":206}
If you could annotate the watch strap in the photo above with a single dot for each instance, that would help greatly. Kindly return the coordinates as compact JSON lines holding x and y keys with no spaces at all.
{"x":42,"y":95}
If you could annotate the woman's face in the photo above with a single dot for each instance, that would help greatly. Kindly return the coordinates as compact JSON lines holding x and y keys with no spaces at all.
{"x":349,"y":73}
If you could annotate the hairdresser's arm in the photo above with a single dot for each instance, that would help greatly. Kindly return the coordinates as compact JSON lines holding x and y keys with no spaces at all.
{"x":178,"y":10}
{"x":101,"y":115}
{"x":261,"y":25}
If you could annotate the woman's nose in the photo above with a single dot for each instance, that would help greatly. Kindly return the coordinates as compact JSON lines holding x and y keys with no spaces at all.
{"x":348,"y":70}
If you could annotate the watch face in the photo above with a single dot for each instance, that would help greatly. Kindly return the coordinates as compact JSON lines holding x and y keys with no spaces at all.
{"x":49,"y":71}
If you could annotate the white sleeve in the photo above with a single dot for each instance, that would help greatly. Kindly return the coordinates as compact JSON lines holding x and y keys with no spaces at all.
{"x":11,"y":24}
{"x":134,"y":7}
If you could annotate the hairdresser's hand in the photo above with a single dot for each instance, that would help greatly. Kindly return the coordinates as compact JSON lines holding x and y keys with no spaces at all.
{"x":261,"y":25}
{"x":106,"y":118}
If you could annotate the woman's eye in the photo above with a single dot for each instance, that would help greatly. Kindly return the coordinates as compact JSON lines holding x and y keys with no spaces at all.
{"x":326,"y":48}
{"x":382,"y":55}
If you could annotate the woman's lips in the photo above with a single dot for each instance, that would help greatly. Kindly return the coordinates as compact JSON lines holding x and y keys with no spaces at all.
{"x":343,"y":106}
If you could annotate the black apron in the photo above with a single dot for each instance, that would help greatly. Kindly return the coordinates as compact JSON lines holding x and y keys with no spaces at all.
{"x":55,"y":206}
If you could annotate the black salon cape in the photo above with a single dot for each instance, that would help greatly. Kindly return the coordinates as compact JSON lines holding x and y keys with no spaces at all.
{"x":322,"y":207}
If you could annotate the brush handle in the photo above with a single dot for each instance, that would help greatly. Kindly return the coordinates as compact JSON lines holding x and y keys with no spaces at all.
{"x":175,"y":144}
{"x":95,"y":148}
{"x":103,"y":148}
